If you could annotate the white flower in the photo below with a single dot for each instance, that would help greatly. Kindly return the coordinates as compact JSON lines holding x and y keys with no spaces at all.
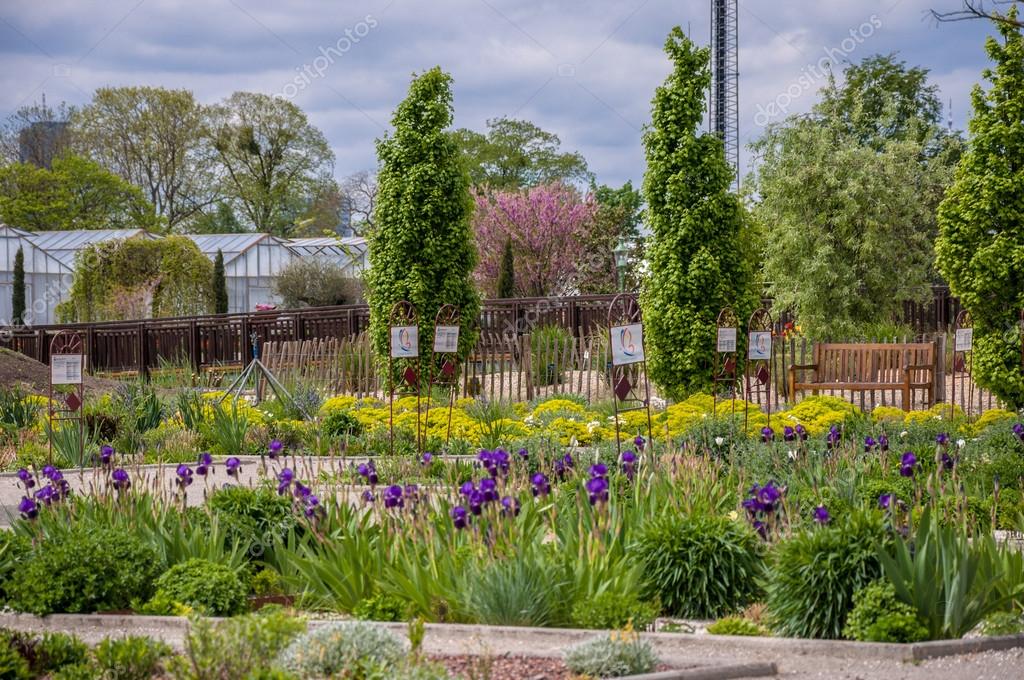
{"x":903,"y":435}
{"x":719,"y":441}
{"x":658,"y":403}
{"x":937,"y":417}
{"x":792,"y":455}
{"x":734,"y":515}
{"x":703,"y":415}
{"x":530,"y":420}
{"x":593,"y":425}
{"x":960,"y":443}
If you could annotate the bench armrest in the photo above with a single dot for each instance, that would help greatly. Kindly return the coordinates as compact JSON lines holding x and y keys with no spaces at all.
{"x":919,"y":367}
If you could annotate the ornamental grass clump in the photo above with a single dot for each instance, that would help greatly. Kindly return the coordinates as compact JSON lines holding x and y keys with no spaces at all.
{"x":356,"y":649}
{"x":700,"y":565}
{"x":615,"y":655}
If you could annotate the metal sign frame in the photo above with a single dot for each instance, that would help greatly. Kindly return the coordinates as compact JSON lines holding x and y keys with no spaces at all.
{"x":67,"y":343}
{"x":403,"y":313}
{"x":448,"y":376}
{"x":726,"y":362}
{"x":757,"y":374}
{"x":963,"y":362}
{"x":623,"y":311}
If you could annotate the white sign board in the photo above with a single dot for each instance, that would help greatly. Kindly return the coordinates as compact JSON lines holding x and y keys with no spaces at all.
{"x":964,"y":339}
{"x":405,"y":342}
{"x":760,"y":345}
{"x":627,"y":344}
{"x":446,"y":339}
{"x":726,"y":339}
{"x":66,"y":369}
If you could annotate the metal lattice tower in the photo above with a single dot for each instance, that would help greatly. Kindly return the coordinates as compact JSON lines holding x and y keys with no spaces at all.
{"x":724,"y":108}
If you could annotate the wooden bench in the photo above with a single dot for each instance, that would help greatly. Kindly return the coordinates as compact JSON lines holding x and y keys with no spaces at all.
{"x":867,"y":367}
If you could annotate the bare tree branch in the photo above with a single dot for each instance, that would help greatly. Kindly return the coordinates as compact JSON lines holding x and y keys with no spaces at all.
{"x":976,"y":9}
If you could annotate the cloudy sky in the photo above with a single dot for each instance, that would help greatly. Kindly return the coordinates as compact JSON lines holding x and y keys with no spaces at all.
{"x":585,"y":70}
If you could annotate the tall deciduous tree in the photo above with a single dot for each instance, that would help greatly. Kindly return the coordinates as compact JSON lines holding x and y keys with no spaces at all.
{"x":516,"y":153}
{"x":696,"y":251}
{"x":421,"y":247}
{"x":220,"y":285}
{"x":75,"y":193}
{"x":18,"y":289}
{"x":153,"y":138}
{"x":275,"y":163}
{"x":980,"y":249}
{"x":546,"y":225}
{"x":507,"y":272}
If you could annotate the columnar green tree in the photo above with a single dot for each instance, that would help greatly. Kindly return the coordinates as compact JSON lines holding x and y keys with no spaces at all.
{"x":18,"y":289}
{"x":506,"y":273}
{"x":220,"y":285}
{"x":980,"y":249}
{"x":421,"y":247}
{"x":698,"y":261}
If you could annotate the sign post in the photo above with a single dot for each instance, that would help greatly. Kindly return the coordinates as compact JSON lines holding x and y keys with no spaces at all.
{"x":404,"y":347}
{"x":758,"y":373}
{"x":726,"y":354}
{"x":445,"y":348}
{"x":963,"y":360}
{"x":67,"y":363}
{"x":626,"y":338}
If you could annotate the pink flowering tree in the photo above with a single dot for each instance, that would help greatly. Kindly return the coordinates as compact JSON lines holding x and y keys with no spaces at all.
{"x":548,"y":226}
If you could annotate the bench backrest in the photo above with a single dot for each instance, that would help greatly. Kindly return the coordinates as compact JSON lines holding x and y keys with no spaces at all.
{"x":872,"y":362}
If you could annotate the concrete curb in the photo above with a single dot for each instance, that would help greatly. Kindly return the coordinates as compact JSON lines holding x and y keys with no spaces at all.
{"x":742,"y":670}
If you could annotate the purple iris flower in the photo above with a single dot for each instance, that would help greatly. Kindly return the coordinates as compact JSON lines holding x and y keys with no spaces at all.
{"x":885,"y":501}
{"x":761,"y":528}
{"x":801,"y":432}
{"x":312,"y":505}
{"x":948,"y":461}
{"x":411,"y":491}
{"x":883,"y":442}
{"x":206,"y":459}
{"x":426,"y":458}
{"x":942,"y":439}
{"x":275,"y":448}
{"x":833,"y":437}
{"x":26,"y":478}
{"x":821,"y":515}
{"x":393,"y":497}
{"x":106,"y":454}
{"x":45,"y":495}
{"x":476,"y":502}
{"x":368,"y":471}
{"x":233,"y":465}
{"x":1018,"y":429}
{"x":510,"y":506}
{"x":467,"y":488}
{"x":368,"y":496}
{"x":869,"y":443}
{"x":564,"y":464}
{"x":540,"y":484}
{"x":49,"y":471}
{"x":120,"y":480}
{"x":459,"y":517}
{"x":524,"y":454}
{"x":598,"y":470}
{"x":184,"y":473}
{"x":628,"y":464}
{"x":284,"y":481}
{"x":639,"y":442}
{"x":597,"y":488}
{"x":908,"y":464}
{"x":302,"y":491}
{"x":788,"y":433}
{"x":28,"y":508}
{"x":489,"y":489}
{"x":767,"y":434}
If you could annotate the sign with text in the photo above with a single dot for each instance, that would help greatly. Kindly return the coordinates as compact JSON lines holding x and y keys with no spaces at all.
{"x":405,"y":342}
{"x":446,"y":339}
{"x":726,"y":339}
{"x":964,"y":339}
{"x":66,"y":369}
{"x":627,"y":344}
{"x":760,"y":346}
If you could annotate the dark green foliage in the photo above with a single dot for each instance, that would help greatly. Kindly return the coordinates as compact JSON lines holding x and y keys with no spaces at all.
{"x":340,"y":423}
{"x":381,"y":607}
{"x":877,"y":616}
{"x":253,"y":517}
{"x":548,"y":347}
{"x":506,"y":274}
{"x":83,"y":570}
{"x":210,"y":588}
{"x":736,"y":625}
{"x":612,"y":611}
{"x":13,"y":548}
{"x":980,"y":249}
{"x":12,"y":665}
{"x":422,"y":247}
{"x":44,"y":653}
{"x":220,"y":285}
{"x":700,"y":565}
{"x":18,"y":289}
{"x":814,"y":575}
{"x":697,"y":249}
{"x":134,"y":657}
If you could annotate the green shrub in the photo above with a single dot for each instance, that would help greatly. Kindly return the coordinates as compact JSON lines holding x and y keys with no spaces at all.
{"x":611,"y":656}
{"x":254,"y":518}
{"x":207,"y":587}
{"x":700,"y":565}
{"x":340,"y":423}
{"x":85,"y":569}
{"x":44,"y":653}
{"x":359,"y":649}
{"x":266,"y":582}
{"x":134,"y":657}
{"x":612,"y":610}
{"x":736,"y":625}
{"x":877,"y":616}
{"x":381,"y":607}
{"x":236,"y":647}
{"x":1003,"y":623}
{"x":13,"y":665}
{"x":548,"y":346}
{"x":78,"y":671}
{"x":815,"y":574}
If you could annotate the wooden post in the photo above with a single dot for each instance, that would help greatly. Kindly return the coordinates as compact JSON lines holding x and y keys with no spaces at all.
{"x":194,"y":347}
{"x":527,"y":361}
{"x":40,"y":341}
{"x":90,"y":349}
{"x":940,"y":368}
{"x":142,"y":350}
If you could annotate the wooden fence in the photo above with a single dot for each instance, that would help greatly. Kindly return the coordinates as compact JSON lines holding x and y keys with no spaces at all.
{"x":517,"y":368}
